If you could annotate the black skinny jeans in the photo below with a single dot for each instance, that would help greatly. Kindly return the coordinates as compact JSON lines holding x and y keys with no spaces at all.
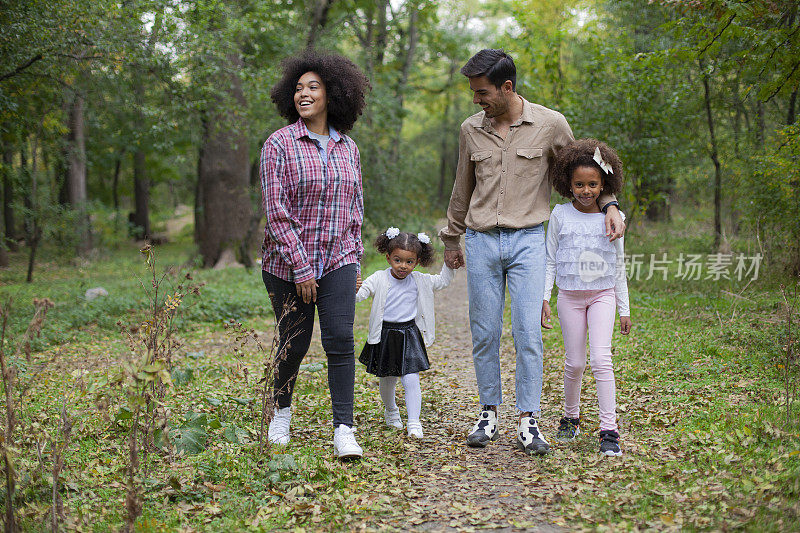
{"x":336,"y":304}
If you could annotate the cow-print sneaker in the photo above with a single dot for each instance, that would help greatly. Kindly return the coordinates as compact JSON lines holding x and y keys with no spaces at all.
{"x":485,"y":429}
{"x":530,"y":439}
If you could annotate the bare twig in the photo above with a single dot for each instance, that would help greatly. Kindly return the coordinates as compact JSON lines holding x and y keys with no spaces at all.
{"x":8,"y":442}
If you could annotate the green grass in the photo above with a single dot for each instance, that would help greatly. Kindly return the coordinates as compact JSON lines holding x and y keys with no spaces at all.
{"x":700,"y":398}
{"x":700,"y":391}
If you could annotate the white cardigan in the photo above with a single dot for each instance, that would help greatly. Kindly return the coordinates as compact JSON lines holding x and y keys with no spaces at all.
{"x":377,"y":285}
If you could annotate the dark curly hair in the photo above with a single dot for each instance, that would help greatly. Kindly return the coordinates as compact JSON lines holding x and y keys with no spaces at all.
{"x":580,"y":153}
{"x":344,"y":82}
{"x":408,"y":242}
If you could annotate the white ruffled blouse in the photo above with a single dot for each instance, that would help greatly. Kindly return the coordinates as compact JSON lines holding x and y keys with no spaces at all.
{"x":580,"y":257}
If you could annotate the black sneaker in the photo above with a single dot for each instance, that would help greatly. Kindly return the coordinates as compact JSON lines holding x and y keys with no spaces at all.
{"x":530,"y":439}
{"x":609,"y":443}
{"x":568,"y":429}
{"x":485,"y":429}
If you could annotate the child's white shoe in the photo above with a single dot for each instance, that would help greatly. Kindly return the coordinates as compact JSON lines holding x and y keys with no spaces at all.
{"x":415,"y":429}
{"x":278,"y":432}
{"x":392,"y":418}
{"x":344,"y":443}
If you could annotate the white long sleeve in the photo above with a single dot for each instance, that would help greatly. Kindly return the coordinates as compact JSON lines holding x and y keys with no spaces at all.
{"x":368,"y":287}
{"x":621,"y":284}
{"x":442,"y":279}
{"x":551,"y":244}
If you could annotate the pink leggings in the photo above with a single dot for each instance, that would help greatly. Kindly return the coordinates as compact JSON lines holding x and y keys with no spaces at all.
{"x":592,"y":310}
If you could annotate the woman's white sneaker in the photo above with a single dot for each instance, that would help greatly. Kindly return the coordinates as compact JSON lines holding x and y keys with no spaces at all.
{"x":415,"y":429}
{"x":392,"y":418}
{"x":344,"y":443}
{"x":278,"y":432}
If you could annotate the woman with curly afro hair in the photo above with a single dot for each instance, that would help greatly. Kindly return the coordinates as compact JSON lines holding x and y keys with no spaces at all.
{"x":590,"y":274}
{"x":313,"y":199}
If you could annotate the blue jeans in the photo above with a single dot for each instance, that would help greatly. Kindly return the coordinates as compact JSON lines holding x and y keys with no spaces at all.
{"x":493,"y":258}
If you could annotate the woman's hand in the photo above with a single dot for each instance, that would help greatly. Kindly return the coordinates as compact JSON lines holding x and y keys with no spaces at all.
{"x":358,"y":281}
{"x":307,"y":290}
{"x":625,"y":325}
{"x":546,"y":315}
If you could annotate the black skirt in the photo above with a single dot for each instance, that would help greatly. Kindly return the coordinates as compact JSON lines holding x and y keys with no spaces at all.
{"x":400,"y":351}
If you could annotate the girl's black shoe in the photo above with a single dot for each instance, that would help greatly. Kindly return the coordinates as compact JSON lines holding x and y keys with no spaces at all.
{"x":609,"y":443}
{"x":568,"y":429}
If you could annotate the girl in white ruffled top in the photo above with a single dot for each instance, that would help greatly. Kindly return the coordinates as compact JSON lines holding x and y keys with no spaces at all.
{"x":589,"y":271}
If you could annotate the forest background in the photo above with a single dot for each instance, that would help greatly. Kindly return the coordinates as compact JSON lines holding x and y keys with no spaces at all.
{"x":113,"y":114}
{"x":122,"y":121}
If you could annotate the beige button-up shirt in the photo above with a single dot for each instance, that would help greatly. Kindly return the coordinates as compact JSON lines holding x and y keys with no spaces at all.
{"x":505,"y":182}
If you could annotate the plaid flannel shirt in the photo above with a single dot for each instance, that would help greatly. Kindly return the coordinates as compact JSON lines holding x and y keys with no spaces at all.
{"x":314,"y":210}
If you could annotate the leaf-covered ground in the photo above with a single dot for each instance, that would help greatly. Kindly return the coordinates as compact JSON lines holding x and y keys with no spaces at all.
{"x":700,"y":399}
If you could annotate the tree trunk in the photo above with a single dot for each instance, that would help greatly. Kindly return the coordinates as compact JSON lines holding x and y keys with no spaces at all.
{"x":76,"y":173}
{"x":402,"y":82}
{"x":318,"y":21}
{"x":115,"y":180}
{"x":223,"y":173}
{"x":715,"y":160}
{"x":141,"y":195}
{"x":8,"y":198}
{"x":383,"y":32}
{"x":792,"y":102}
{"x":36,"y":232}
{"x":761,"y":125}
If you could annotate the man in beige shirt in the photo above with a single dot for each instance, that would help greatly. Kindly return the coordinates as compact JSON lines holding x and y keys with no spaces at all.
{"x":501,"y":197}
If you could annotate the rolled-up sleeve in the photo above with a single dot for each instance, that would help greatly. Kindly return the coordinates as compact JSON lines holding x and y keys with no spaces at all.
{"x":463,"y":187}
{"x":283,"y":228}
{"x":358,"y":219}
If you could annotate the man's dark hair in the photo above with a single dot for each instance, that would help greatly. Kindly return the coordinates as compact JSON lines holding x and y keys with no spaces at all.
{"x":496,"y":65}
{"x":344,"y":82}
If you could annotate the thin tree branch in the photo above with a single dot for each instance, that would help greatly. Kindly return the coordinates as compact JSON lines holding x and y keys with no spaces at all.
{"x":717,"y":36}
{"x":22,"y":67}
{"x":788,"y":77}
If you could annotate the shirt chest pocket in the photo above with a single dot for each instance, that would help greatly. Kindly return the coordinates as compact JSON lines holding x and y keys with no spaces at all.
{"x":528,"y":163}
{"x":483,"y":164}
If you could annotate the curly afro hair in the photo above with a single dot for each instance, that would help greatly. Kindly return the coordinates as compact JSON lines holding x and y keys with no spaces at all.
{"x":580,"y":153}
{"x":408,"y":242}
{"x":344,"y":82}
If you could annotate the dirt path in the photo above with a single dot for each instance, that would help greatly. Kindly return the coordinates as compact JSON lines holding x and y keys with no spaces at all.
{"x":455,"y":487}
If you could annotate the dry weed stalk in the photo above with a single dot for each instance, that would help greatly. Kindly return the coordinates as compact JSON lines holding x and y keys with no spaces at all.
{"x":9,"y":374}
{"x":66,"y":423}
{"x":146,"y":378}
{"x":10,"y":386}
{"x":790,"y":385}
{"x":271,"y":358}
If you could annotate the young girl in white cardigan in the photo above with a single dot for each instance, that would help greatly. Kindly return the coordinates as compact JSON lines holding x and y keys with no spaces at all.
{"x":401,"y":323}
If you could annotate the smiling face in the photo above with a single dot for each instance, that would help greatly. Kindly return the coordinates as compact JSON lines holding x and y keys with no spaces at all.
{"x":586,"y":185}
{"x":310,"y":97}
{"x":402,"y":262}
{"x":493,"y":100}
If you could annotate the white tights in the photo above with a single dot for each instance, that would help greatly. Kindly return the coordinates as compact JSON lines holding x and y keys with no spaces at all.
{"x":413,"y":394}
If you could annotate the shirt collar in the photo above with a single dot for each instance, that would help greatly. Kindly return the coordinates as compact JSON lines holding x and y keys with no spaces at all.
{"x":300,"y":131}
{"x":526,"y":116}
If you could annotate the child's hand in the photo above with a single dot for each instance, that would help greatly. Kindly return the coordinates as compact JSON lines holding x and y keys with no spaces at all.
{"x":358,"y":281}
{"x":546,"y":315}
{"x":625,"y":325}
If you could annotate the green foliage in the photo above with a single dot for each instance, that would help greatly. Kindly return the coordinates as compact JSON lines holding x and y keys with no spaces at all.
{"x":770,"y":200}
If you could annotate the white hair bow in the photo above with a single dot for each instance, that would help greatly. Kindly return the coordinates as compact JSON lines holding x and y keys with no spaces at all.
{"x":599,"y":159}
{"x":392,"y":232}
{"x":423,"y":238}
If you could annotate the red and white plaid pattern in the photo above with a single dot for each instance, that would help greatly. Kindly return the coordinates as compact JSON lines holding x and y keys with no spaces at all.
{"x":314,"y":211}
